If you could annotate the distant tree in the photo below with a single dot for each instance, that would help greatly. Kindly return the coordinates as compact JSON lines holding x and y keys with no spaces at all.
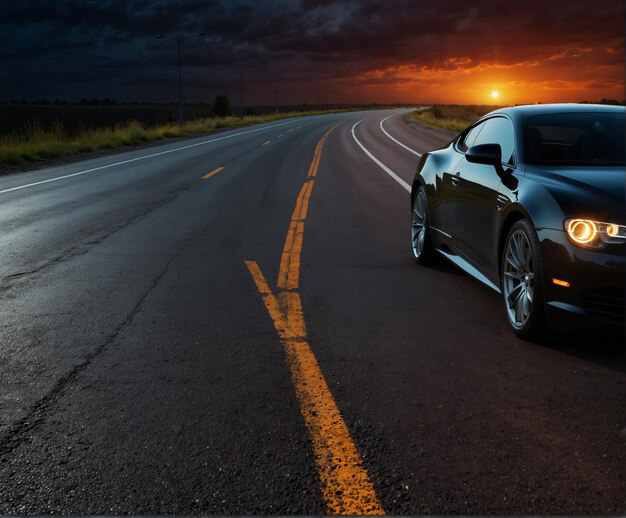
{"x":605,"y":101}
{"x":610,"y":101}
{"x":221,"y":106}
{"x":250,"y":111}
{"x":436,"y":111}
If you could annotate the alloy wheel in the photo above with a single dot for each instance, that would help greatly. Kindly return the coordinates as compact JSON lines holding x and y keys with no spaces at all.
{"x":418,"y":223}
{"x":519,"y":279}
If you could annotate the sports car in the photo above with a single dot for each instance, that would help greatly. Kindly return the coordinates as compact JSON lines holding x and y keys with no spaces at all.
{"x":530,"y":200}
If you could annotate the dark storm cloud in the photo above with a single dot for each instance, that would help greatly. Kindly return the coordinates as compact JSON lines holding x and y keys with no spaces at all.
{"x":71,"y":48}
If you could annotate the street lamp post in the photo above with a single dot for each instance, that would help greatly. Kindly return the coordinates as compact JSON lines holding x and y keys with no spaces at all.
{"x":181,"y":118}
{"x":241,"y":92}
{"x":241,"y":74}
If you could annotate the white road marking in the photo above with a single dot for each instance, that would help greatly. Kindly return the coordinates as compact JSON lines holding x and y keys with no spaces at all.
{"x":143,"y":157}
{"x":378,"y":162}
{"x":397,"y":141}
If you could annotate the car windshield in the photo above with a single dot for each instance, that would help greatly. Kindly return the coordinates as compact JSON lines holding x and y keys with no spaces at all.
{"x":576,"y":139}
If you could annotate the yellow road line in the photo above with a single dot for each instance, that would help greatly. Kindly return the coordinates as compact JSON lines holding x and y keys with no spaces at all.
{"x":289,"y":274}
{"x":317,"y":155}
{"x":215,"y":171}
{"x":345,"y":483}
{"x":266,"y":143}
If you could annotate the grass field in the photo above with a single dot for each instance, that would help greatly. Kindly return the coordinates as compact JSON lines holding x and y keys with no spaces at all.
{"x":451,"y":117}
{"x":19,"y":118}
{"x":37,"y":142}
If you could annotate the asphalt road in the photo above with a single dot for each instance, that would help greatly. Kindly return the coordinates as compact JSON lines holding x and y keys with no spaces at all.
{"x":260,"y":341}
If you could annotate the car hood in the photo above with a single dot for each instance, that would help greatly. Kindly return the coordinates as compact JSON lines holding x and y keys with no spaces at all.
{"x":591,"y":192}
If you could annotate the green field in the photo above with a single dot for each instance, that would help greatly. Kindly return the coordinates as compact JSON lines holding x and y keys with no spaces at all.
{"x":20,"y":118}
{"x":451,"y":117}
{"x":36,"y":142}
{"x":36,"y":133}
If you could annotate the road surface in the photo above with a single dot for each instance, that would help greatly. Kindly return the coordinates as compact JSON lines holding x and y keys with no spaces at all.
{"x":234,"y":324}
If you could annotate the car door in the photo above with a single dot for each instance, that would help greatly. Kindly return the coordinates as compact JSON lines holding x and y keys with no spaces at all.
{"x":449,"y":180}
{"x":471,"y":219}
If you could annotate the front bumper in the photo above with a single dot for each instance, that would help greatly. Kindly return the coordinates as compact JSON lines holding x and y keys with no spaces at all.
{"x":594,"y":303}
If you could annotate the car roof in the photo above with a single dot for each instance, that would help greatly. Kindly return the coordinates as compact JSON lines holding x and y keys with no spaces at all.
{"x":522,"y":111}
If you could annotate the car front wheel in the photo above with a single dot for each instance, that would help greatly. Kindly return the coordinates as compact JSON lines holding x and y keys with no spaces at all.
{"x":522,"y":282}
{"x":421,"y":244}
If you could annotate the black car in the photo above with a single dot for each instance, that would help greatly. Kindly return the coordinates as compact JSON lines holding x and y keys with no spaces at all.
{"x":530,"y":200}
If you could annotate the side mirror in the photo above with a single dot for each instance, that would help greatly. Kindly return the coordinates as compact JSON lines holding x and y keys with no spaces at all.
{"x":488,"y":154}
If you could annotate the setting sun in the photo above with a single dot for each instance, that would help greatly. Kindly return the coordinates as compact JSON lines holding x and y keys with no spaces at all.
{"x":495,"y":94}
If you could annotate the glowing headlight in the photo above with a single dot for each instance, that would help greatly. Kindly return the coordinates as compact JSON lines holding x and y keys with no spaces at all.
{"x":595,"y":234}
{"x":612,"y":230}
{"x":582,"y":231}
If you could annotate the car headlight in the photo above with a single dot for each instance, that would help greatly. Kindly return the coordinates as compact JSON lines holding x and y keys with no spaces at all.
{"x":594,"y":234}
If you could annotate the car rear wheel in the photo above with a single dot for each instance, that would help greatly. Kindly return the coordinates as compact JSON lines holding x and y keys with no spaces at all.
{"x":522,"y":282}
{"x":423,"y":250}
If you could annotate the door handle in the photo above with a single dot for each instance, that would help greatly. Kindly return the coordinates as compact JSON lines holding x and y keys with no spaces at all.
{"x":455,"y":179}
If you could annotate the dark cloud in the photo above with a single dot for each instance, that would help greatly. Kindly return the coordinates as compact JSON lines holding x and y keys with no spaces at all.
{"x":99,"y":48}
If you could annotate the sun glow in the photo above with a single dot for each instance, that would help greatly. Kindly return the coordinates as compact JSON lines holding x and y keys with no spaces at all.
{"x":482,"y":83}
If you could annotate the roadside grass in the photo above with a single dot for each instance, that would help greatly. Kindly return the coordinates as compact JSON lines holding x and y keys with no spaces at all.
{"x":451,"y":117}
{"x":37,"y":143}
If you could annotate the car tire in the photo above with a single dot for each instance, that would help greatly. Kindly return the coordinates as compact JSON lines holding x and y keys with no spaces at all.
{"x":422,"y":246}
{"x":522,"y":282}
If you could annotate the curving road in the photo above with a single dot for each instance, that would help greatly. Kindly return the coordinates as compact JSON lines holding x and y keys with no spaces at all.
{"x":234,"y":325}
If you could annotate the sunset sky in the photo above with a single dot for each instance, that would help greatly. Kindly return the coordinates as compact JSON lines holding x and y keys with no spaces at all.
{"x":324,"y":51}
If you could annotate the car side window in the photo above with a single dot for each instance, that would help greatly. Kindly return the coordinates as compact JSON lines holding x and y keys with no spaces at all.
{"x":468,"y":141}
{"x":499,"y":131}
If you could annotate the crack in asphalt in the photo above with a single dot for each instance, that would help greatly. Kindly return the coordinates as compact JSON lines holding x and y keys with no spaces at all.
{"x":16,"y":435}
{"x":84,"y":247}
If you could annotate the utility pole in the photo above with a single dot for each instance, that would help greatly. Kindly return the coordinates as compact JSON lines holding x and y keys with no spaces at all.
{"x":179,"y":41}
{"x":181,"y":118}
{"x":241,"y":92}
{"x":276,"y":89}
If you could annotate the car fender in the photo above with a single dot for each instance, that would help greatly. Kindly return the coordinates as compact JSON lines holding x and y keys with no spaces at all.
{"x":537,"y":204}
{"x":430,"y":175}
